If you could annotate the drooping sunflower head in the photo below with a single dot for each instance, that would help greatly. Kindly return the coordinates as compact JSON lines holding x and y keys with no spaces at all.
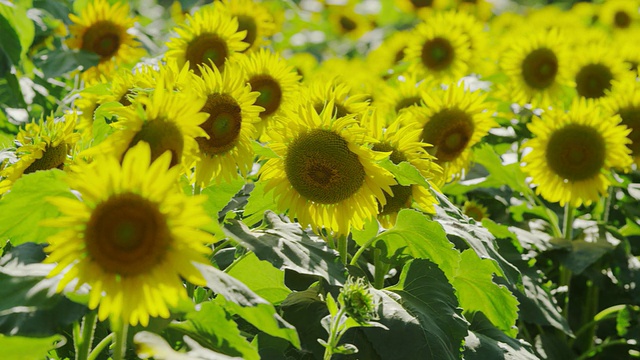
{"x":403,"y":144}
{"x":538,"y":67}
{"x":439,"y":49}
{"x":274,"y":79}
{"x":230,"y":126}
{"x":101,"y":29}
{"x":254,"y":18}
{"x":132,"y":237}
{"x":41,"y":145}
{"x":165,"y":119}
{"x":597,"y":69}
{"x":208,"y":37}
{"x":625,"y":102}
{"x":573,"y":151}
{"x":325,"y":175}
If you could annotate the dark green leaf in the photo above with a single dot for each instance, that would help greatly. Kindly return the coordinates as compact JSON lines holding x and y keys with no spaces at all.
{"x":304,"y":310}
{"x":585,"y":253}
{"x":485,"y":341}
{"x":60,"y":62}
{"x":286,"y":246}
{"x":10,"y":44}
{"x":152,"y":345}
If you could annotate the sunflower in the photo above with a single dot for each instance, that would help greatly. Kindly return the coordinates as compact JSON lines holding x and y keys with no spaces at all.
{"x":482,"y":9}
{"x":475,"y":210}
{"x":573,"y":151}
{"x":325,"y":174}
{"x":403,"y":142}
{"x":354,"y":73}
{"x":304,"y":64}
{"x":401,"y":93}
{"x":389,"y":54}
{"x":625,"y":102}
{"x":254,"y":18}
{"x":619,"y":14}
{"x":323,"y":90}
{"x":452,"y":120}
{"x":539,"y":69}
{"x":439,"y":50}
{"x":274,"y":79}
{"x":421,"y":6}
{"x":167,"y":120}
{"x":133,"y":237}
{"x":229,"y":126}
{"x":207,"y":36}
{"x":42,"y":145}
{"x":102,"y":29}
{"x":347,"y":22}
{"x":597,"y":69}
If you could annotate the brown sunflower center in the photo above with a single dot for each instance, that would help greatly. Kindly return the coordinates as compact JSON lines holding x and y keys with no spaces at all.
{"x":449,"y":131}
{"x":421,"y":3}
{"x":407,"y":102}
{"x":540,"y":68}
{"x":161,"y":136}
{"x":631,"y":118}
{"x":576,"y":152}
{"x":102,"y":38}
{"x":401,"y":198}
{"x":248,"y":23}
{"x":223,"y":125}
{"x":127,"y":234}
{"x":338,"y":110}
{"x":399,"y":56}
{"x":621,"y":19}
{"x":204,"y":48}
{"x":437,"y":54}
{"x":321,"y":168}
{"x":474,"y":212}
{"x":347,"y":24}
{"x":593,"y":80}
{"x":52,"y":158}
{"x":125,"y":99}
{"x":270,"y":93}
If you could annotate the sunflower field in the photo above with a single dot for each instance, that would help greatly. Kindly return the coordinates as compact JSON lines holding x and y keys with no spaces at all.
{"x":319,"y":179}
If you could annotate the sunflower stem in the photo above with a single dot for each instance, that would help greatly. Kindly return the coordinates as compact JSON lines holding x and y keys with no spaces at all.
{"x":343,"y":248}
{"x":565,"y":273}
{"x":101,"y":345}
{"x":361,"y":250}
{"x":120,"y":340}
{"x":380,"y":269}
{"x":83,"y":343}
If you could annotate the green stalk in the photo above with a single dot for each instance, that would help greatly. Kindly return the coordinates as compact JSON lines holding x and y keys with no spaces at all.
{"x":83,"y":343}
{"x":343,"y":248}
{"x":565,"y":274}
{"x":101,"y":345}
{"x":356,"y":256}
{"x":120,"y":340}
{"x":334,"y":335}
{"x":590,"y":353}
{"x":380,"y":269}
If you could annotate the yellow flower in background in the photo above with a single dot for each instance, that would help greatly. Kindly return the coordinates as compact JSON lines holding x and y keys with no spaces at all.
{"x":482,"y":9}
{"x":304,"y":64}
{"x":572,"y":153}
{"x":421,"y":6}
{"x":41,"y":145}
{"x":132,"y":237}
{"x":322,"y":91}
{"x":254,"y":18}
{"x":597,"y":68}
{"x":439,"y":50}
{"x":325,"y":175}
{"x":625,"y":102}
{"x":403,"y":142}
{"x":475,"y":210}
{"x":452,"y":120}
{"x":389,"y":54}
{"x":401,"y":93}
{"x":347,"y":22}
{"x":538,"y":66}
{"x":166,"y":120}
{"x":208,"y":36}
{"x":276,"y":82}
{"x":101,"y":29}
{"x":355,"y":73}
{"x":619,"y":15}
{"x":230,"y":131}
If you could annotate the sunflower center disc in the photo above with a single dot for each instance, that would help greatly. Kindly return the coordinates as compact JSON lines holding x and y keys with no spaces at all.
{"x":321,"y":168}
{"x":223,"y":125}
{"x":539,"y":68}
{"x":206,"y":47}
{"x":248,"y":23}
{"x":347,"y":24}
{"x":593,"y":80}
{"x":576,"y":152}
{"x":631,"y":118}
{"x":161,"y":136}
{"x":127,"y":234}
{"x":449,"y":131}
{"x":102,"y":38}
{"x":52,"y":158}
{"x":622,"y":20}
{"x":437,"y":54}
{"x":270,"y":93}
{"x":407,"y":102}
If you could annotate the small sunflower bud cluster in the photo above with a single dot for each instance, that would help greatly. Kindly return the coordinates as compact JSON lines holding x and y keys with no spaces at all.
{"x":358,"y":301}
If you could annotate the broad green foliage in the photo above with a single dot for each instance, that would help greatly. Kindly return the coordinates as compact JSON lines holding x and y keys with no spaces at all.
{"x":27,"y":348}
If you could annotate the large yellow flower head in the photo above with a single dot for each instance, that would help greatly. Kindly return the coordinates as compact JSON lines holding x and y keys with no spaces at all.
{"x":597,"y":68}
{"x":42,"y":145}
{"x":538,"y":66}
{"x":439,"y":50}
{"x":254,"y":18}
{"x":452,"y":120}
{"x":325,"y":174}
{"x":229,"y":127}
{"x":132,"y":236}
{"x":625,"y":102}
{"x":208,"y":36}
{"x":165,"y":119}
{"x":102,"y":29}
{"x":403,"y":142}
{"x":276,"y":82}
{"x":572,"y":153}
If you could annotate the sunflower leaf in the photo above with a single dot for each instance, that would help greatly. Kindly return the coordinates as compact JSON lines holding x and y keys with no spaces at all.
{"x":22,"y":209}
{"x":27,"y":348}
{"x":485,"y":341}
{"x":261,"y":277}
